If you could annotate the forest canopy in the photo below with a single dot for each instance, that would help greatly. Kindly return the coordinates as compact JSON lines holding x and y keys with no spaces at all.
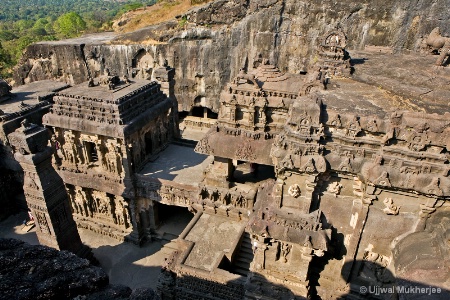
{"x":23,"y":22}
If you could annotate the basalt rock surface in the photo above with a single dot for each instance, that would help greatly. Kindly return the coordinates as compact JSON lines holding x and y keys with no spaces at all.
{"x":222,"y":37}
{"x":39,"y":272}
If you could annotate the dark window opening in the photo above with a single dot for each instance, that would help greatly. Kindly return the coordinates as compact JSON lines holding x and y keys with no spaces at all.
{"x":137,"y":57}
{"x":148,"y":143}
{"x":197,"y":111}
{"x":91,"y":150}
{"x":203,"y":112}
{"x":211,"y":114}
{"x":182,"y":115}
{"x":239,"y":114}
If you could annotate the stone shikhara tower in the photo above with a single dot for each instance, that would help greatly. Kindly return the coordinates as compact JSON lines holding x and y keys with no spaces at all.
{"x":44,"y":190}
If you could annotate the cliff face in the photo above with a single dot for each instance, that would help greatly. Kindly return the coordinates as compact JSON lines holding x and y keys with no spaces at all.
{"x":220,"y":38}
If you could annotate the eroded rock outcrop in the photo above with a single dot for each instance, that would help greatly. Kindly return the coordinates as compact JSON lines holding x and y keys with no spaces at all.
{"x":39,"y":272}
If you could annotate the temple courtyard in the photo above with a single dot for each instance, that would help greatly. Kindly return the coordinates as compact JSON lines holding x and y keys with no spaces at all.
{"x":125,"y":263}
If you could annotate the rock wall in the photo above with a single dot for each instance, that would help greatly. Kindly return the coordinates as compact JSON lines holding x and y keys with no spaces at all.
{"x":224,"y":36}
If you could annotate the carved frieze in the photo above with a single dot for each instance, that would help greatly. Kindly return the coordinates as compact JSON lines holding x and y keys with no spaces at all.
{"x":245,"y":152}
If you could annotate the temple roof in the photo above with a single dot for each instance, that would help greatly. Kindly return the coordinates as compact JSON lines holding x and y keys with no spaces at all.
{"x":101,"y":110}
{"x":270,"y":78}
{"x":31,"y":94}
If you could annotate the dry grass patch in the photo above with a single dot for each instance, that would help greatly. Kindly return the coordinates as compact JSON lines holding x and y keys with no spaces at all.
{"x":162,"y":11}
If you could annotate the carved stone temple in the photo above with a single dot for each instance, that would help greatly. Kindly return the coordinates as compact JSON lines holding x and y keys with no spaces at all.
{"x":101,"y":137}
{"x":309,"y":184}
{"x":45,"y":192}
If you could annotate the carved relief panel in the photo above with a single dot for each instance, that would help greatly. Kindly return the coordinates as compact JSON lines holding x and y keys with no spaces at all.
{"x":113,"y":157}
{"x":69,"y":149}
{"x":104,"y":207}
{"x":121,"y":212}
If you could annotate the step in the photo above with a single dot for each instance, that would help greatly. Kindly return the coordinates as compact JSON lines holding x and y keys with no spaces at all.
{"x":240,"y":264}
{"x":246,"y":237}
{"x":240,"y":271}
{"x":185,"y":142}
{"x":246,"y":247}
{"x":243,"y":259}
{"x":245,"y":255}
{"x":170,"y":246}
{"x":246,"y":250}
{"x":245,"y":242}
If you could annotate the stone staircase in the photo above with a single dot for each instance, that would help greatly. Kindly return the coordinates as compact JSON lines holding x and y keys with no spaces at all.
{"x":242,"y":260}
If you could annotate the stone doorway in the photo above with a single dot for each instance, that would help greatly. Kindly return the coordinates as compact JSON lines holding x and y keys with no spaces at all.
{"x":171,"y":220}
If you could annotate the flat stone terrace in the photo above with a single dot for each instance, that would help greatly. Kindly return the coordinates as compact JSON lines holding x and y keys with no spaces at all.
{"x":213,"y":236}
{"x":383,"y":83}
{"x":121,"y":91}
{"x":29,"y":93}
{"x":178,"y":164}
{"x":94,"y":38}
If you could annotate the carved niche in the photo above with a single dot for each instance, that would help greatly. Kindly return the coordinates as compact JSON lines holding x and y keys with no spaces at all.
{"x":121,"y":212}
{"x":69,"y":148}
{"x":112,"y":157}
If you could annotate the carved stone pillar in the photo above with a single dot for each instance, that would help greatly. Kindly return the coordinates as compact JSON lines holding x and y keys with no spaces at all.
{"x":153,"y":215}
{"x":165,"y":77}
{"x":310,"y":187}
{"x":45,"y":192}
{"x":136,"y":235}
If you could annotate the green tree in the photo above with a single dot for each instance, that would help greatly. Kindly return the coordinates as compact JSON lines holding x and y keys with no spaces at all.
{"x":40,"y":23}
{"x":69,"y":25}
{"x":3,"y":55}
{"x":23,"y":25}
{"x":5,"y":62}
{"x":39,"y":27}
{"x":21,"y":44}
{"x":7,"y":35}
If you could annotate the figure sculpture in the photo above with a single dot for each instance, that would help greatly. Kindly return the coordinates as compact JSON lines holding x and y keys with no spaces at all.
{"x":294,"y":190}
{"x":391,"y":208}
{"x":438,"y":44}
